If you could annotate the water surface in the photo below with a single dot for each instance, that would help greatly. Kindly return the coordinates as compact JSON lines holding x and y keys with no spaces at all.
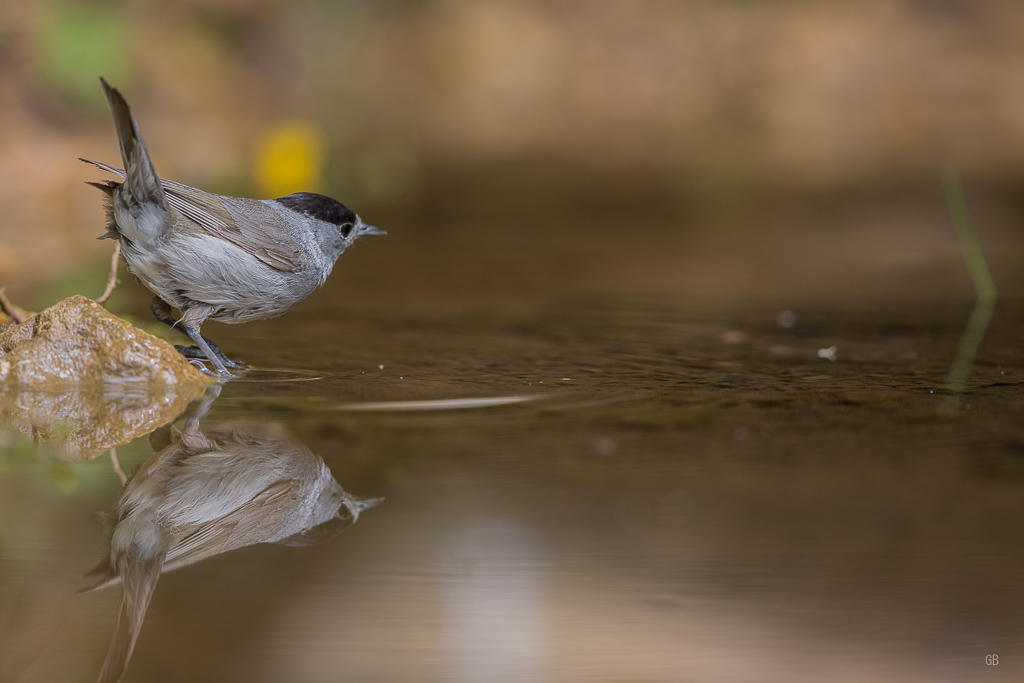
{"x":611,"y":446}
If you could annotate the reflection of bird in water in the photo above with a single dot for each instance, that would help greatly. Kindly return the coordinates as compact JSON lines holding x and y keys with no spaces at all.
{"x":208,"y":493}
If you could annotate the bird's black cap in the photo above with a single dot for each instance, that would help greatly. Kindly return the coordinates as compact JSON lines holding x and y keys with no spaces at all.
{"x":320,"y":207}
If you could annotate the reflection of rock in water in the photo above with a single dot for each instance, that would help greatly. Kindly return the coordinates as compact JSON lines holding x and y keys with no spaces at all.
{"x":84,"y":424}
{"x":208,"y":493}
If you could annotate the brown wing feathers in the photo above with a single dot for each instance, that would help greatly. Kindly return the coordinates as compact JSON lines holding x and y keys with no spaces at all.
{"x":206,"y":210}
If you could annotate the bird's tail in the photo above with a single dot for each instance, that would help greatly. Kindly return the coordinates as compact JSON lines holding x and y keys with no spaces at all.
{"x":141,"y":179}
{"x":139,"y":577}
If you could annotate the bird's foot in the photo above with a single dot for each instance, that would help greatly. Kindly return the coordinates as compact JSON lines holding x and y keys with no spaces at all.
{"x":194,"y":352}
{"x":200,"y":364}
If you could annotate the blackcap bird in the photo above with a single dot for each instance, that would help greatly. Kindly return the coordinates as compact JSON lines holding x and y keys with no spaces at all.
{"x":213,"y":257}
{"x":206,"y":493}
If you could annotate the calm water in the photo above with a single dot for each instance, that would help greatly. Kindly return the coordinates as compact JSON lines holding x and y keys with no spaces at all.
{"x":611,"y":449}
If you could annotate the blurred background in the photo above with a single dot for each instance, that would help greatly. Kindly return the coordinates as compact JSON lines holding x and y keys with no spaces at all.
{"x":399,"y":103}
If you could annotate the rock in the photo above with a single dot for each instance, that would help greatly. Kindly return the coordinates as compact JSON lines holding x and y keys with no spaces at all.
{"x":77,"y":342}
{"x":82,"y":377}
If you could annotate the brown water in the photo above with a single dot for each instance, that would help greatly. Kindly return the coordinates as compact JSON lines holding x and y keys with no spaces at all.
{"x":614,"y":445}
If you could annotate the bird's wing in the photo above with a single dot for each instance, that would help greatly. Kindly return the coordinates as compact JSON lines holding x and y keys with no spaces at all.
{"x":241,"y":524}
{"x":266,"y":240}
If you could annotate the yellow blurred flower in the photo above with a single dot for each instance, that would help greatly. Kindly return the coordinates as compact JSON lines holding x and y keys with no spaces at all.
{"x":290,"y":158}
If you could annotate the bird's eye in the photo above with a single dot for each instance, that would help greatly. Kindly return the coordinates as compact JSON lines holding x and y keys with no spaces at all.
{"x":346,"y":229}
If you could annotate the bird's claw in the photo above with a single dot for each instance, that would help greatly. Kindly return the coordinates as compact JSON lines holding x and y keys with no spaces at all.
{"x":201,"y":365}
{"x":194,"y":352}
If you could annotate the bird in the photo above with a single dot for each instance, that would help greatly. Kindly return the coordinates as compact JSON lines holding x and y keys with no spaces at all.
{"x":214,"y":257}
{"x":206,"y":493}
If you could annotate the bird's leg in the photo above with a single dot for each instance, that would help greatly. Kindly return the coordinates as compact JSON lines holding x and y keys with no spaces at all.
{"x":192,"y":436}
{"x":210,"y":355}
{"x":162,"y":310}
{"x":191,"y":320}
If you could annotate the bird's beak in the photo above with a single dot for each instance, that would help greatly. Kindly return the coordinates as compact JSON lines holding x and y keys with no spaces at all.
{"x":364,"y":230}
{"x":357,"y":505}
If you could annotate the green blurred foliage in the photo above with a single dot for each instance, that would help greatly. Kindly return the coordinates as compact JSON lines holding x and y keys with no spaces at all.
{"x":18,"y":453}
{"x":80,"y":42}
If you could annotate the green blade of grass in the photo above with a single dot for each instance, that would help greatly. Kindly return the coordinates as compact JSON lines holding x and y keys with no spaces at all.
{"x":984,"y":285}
